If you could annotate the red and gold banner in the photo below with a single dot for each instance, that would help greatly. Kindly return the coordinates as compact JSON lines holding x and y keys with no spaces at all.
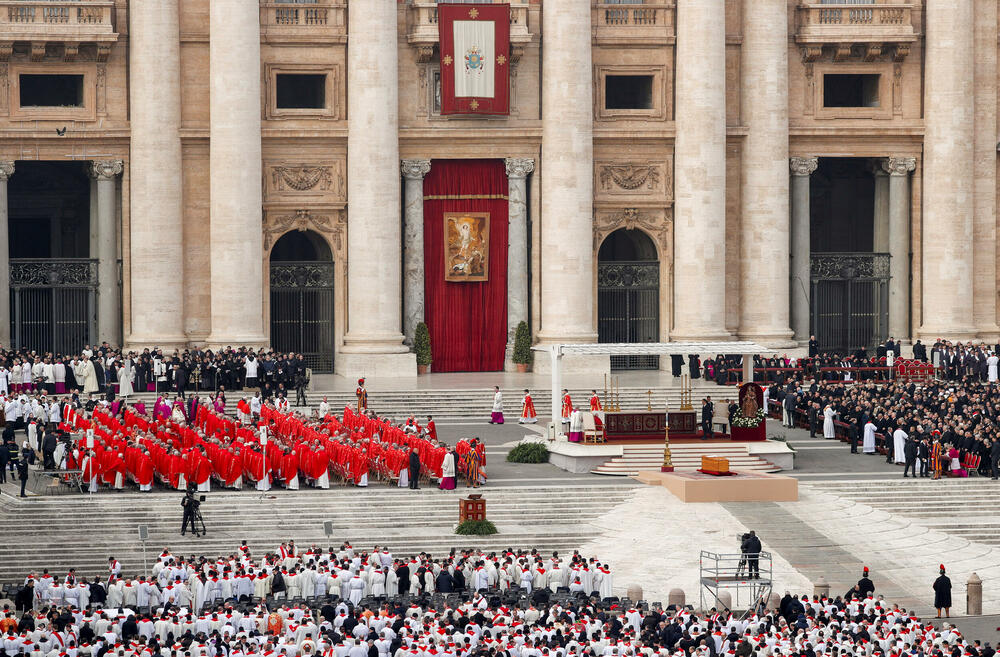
{"x":475,"y":58}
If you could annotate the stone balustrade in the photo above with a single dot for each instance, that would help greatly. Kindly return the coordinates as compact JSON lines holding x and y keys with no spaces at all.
{"x":51,"y":20}
{"x":646,"y":24}
{"x":422,"y":26}
{"x":325,"y":20}
{"x":883,"y":24}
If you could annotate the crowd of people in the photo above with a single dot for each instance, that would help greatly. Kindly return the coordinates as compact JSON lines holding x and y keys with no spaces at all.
{"x":194,"y":442}
{"x":349,"y":603}
{"x":103,"y":369}
{"x":936,"y":427}
{"x":945,"y":360}
{"x":80,"y":414}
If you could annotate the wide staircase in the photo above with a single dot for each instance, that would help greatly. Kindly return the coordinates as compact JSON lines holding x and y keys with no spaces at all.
{"x":474,"y":405}
{"x":83,"y":531}
{"x":959,"y":507}
{"x":684,"y":456}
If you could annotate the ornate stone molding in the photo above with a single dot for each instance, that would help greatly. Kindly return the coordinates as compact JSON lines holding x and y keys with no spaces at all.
{"x":803,"y":166}
{"x":899,"y":166}
{"x":519,"y":167}
{"x":659,"y":227}
{"x":302,"y":220}
{"x":6,"y":170}
{"x":630,"y":176}
{"x":106,"y":169}
{"x":301,"y":178}
{"x":414,"y":169}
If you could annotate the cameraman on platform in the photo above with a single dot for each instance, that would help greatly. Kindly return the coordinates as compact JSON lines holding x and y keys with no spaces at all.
{"x":750,"y":547}
{"x":190,"y":504}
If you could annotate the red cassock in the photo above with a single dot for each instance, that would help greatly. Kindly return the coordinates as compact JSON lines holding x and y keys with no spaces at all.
{"x":567,"y":405}
{"x":143,"y":469}
{"x":595,"y":403}
{"x":318,"y":463}
{"x":289,"y":467}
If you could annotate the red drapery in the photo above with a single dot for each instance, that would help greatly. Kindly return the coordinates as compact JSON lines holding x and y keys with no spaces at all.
{"x":467,"y":321}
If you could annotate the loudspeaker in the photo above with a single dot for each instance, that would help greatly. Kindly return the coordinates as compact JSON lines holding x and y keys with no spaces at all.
{"x":143,"y":532}
{"x":328,"y":527}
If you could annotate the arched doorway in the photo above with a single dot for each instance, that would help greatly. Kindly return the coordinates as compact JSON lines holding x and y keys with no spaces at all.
{"x":302,"y":298}
{"x":628,"y":295}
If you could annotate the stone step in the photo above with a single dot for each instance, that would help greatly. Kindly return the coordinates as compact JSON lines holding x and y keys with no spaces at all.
{"x":546,"y":517}
{"x":475,"y":404}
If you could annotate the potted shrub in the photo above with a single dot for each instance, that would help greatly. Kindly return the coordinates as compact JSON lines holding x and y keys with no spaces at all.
{"x":422,"y":347}
{"x":522,"y":347}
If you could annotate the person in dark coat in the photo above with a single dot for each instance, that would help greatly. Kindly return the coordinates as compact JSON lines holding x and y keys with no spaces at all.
{"x":865,"y":585}
{"x":25,"y":597}
{"x":414,"y":469}
{"x":403,"y":577}
{"x":22,"y":474}
{"x":942,"y":594}
{"x":445,"y":582}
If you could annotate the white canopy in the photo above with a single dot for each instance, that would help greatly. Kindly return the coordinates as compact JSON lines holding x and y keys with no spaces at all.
{"x":557,"y":351}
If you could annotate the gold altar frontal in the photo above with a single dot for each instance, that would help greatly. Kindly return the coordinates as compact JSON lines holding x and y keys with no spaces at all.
{"x":743,"y":487}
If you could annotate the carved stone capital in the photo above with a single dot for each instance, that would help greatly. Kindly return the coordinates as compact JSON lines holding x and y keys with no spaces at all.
{"x":899,"y":166}
{"x":519,"y":167}
{"x":6,"y":170}
{"x":106,"y":169}
{"x":803,"y":166}
{"x":415,"y":169}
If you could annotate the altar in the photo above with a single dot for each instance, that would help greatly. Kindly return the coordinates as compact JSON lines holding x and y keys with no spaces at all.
{"x":649,"y":425}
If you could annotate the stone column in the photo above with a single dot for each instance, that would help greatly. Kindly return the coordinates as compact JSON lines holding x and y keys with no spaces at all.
{"x":6,"y":171}
{"x":156,"y":214}
{"x":880,"y":241}
{"x":984,"y":216}
{"x":237,"y":279}
{"x":567,"y":183}
{"x":764,"y":234}
{"x":949,"y":167}
{"x":700,"y":173}
{"x":109,"y":308}
{"x":518,"y":170}
{"x":413,"y":244}
{"x":899,"y":169}
{"x":801,"y":280}
{"x":373,"y":343}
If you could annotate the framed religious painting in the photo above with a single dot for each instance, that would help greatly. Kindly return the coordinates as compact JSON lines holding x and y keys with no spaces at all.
{"x":466,"y":247}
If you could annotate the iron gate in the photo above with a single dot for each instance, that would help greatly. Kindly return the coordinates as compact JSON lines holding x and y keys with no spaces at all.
{"x":53,"y":304}
{"x":302,"y":311}
{"x":628,"y":308}
{"x":850,"y":300}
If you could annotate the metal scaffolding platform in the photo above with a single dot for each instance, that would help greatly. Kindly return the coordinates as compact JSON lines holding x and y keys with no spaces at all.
{"x":731,"y":572}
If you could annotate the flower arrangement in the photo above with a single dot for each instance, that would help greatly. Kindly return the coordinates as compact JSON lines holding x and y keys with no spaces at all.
{"x":745,"y":422}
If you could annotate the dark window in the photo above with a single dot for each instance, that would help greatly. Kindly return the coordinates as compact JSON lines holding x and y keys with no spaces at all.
{"x":51,"y":90}
{"x":301,"y":91}
{"x":850,"y":90}
{"x":628,"y":92}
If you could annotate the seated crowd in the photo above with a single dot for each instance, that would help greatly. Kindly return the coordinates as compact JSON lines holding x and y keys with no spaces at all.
{"x":347,"y":603}
{"x":194,"y":442}
{"x":947,"y":360}
{"x":941,"y":426}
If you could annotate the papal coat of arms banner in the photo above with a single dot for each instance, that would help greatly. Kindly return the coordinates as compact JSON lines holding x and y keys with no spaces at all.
{"x":475,"y":58}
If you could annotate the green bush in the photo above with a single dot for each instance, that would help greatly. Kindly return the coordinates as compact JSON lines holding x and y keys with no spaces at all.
{"x":476,"y":528}
{"x":529,"y":453}
{"x":522,"y":345}
{"x":422,"y":344}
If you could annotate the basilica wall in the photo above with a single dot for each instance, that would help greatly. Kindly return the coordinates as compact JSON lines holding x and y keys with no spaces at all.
{"x":304,"y":149}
